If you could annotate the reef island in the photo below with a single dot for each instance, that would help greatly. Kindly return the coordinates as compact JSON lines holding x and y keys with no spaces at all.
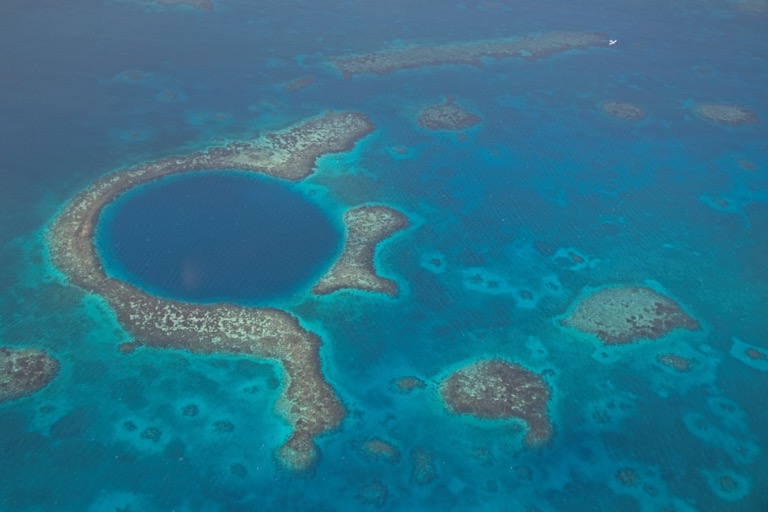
{"x":307,"y":401}
{"x":626,"y":314}
{"x":497,"y":389}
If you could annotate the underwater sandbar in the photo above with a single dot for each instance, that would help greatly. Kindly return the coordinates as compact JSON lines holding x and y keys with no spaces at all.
{"x":307,"y":401}
{"x":531,"y":47}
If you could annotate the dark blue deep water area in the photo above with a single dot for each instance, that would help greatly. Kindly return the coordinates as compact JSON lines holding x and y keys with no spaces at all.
{"x":210,"y":237}
{"x":587,"y":169}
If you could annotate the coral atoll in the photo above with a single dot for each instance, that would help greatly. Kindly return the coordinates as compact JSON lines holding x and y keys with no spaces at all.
{"x":307,"y":401}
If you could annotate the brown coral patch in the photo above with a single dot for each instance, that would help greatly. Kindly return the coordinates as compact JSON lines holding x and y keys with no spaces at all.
{"x":423,"y":469}
{"x":674,"y":361}
{"x":446,"y":116}
{"x":408,"y":384}
{"x":128,"y":347}
{"x":299,"y":83}
{"x":627,"y":477}
{"x":625,"y":314}
{"x":496,"y":389}
{"x":375,"y":449}
{"x":373,"y":494}
{"x":366,"y":226}
{"x":24,"y":371}
{"x":755,"y":354}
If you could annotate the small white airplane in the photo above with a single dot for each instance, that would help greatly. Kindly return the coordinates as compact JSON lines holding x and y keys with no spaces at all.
{"x":612,"y":42}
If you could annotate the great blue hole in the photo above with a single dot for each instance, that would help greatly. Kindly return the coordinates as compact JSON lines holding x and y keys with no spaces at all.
{"x":217,"y":236}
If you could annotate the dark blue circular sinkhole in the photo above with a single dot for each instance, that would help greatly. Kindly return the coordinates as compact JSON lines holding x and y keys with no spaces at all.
{"x":217,"y":236}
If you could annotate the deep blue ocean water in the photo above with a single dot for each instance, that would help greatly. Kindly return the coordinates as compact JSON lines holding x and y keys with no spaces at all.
{"x":544,"y":169}
{"x":217,"y":237}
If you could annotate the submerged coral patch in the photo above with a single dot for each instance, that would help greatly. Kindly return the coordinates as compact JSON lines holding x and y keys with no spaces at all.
{"x":623,"y":110}
{"x":446,"y":116}
{"x":407,"y":384}
{"x":727,"y":485}
{"x":423,"y":468}
{"x":727,"y":114}
{"x":24,"y":371}
{"x":751,"y":355}
{"x":529,"y":47}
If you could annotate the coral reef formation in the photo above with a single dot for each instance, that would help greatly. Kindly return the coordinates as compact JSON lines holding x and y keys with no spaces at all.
{"x":423,"y":469}
{"x":366,"y":226}
{"x":307,"y":401}
{"x":728,"y":114}
{"x":375,"y":449}
{"x":497,"y":389}
{"x":24,"y":371}
{"x":625,"y":314}
{"x":446,"y":116}
{"x":408,"y":384}
{"x":529,"y":47}
{"x":623,"y":110}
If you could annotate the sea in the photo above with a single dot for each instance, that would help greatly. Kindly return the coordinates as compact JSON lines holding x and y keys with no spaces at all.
{"x":546,"y":195}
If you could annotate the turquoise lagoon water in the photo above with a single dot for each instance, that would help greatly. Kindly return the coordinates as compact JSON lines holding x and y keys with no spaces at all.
{"x":672,"y":201}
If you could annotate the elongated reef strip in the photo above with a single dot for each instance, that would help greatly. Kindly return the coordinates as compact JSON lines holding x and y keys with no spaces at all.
{"x":530,"y":47}
{"x":24,"y":371}
{"x":626,"y":314}
{"x":497,"y":389}
{"x":366,"y":226}
{"x":307,"y":401}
